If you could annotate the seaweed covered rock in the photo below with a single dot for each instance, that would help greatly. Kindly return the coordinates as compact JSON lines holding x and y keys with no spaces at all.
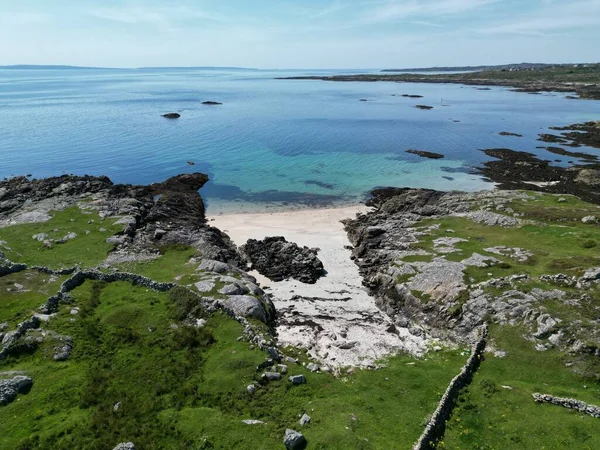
{"x":278,"y":259}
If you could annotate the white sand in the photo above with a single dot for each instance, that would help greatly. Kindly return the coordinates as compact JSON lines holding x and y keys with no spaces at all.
{"x":336,"y":311}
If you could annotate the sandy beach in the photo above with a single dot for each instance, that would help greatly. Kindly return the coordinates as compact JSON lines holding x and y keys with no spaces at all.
{"x":335,"y":319}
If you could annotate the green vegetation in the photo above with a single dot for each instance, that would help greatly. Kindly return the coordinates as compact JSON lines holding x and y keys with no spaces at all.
{"x":23,"y":293}
{"x":558,"y":243}
{"x":186,"y":388}
{"x":498,"y":412}
{"x":86,"y":250}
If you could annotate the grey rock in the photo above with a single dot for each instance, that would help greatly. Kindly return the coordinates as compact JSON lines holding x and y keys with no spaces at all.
{"x":305,"y":419}
{"x":440,"y":279}
{"x":478,"y":260}
{"x":10,"y":388}
{"x":234,"y":289}
{"x":313,"y":367}
{"x":205,"y":286}
{"x":159,"y":233}
{"x":252,"y":422}
{"x":297,"y":379}
{"x":116,"y":240}
{"x":589,"y":219}
{"x":251,"y":389}
{"x":491,"y":219}
{"x":294,"y":440}
{"x":246,"y":306}
{"x":125,"y":446}
{"x":3,"y":326}
{"x":63,"y":352}
{"x":209,"y":265}
{"x":40,"y":237}
{"x":272,"y":376}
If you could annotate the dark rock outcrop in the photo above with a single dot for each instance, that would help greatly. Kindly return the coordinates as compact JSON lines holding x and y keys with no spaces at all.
{"x":426,"y":107}
{"x":172,"y":116}
{"x":278,"y":259}
{"x":211,"y":103}
{"x":521,"y":170}
{"x":171,"y":211}
{"x":426,"y":154}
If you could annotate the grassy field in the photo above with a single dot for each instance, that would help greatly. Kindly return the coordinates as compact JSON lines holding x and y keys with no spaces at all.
{"x":498,"y":412}
{"x":186,"y":388}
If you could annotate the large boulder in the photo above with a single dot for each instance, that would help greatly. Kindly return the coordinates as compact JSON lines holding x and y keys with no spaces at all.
{"x":278,"y":259}
{"x":294,"y":440}
{"x":10,"y":388}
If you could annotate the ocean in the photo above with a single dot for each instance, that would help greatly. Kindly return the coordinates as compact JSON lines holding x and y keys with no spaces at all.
{"x":273,"y":143}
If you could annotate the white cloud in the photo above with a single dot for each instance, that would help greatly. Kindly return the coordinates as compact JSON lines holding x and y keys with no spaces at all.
{"x":393,"y":10}
{"x":551,"y":18}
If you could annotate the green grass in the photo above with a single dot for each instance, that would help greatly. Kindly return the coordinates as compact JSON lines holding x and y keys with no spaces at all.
{"x":492,"y":417}
{"x":556,"y":248}
{"x":187,"y":389}
{"x":85,"y":250}
{"x":172,"y":263}
{"x":18,"y":305}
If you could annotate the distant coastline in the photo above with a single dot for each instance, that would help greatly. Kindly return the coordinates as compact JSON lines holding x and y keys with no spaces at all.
{"x":67,"y":67}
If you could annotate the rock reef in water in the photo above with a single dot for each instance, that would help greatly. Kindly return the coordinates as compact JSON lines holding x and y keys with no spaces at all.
{"x":211,"y":103}
{"x":278,"y":259}
{"x":425,"y":107}
{"x":172,"y":116}
{"x":426,"y":154}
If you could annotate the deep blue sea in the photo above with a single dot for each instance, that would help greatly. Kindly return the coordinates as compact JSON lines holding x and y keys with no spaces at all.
{"x":273,"y":142}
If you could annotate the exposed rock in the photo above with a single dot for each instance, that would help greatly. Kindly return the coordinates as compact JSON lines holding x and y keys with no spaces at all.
{"x":251,"y":389}
{"x":313,"y":367}
{"x":305,"y":419}
{"x":172,"y":116}
{"x":589,"y":219}
{"x":211,"y":103}
{"x":426,"y":154}
{"x":10,"y":388}
{"x":125,"y":446}
{"x":248,"y":306}
{"x":253,"y":422}
{"x":490,"y":218}
{"x":294,"y":440}
{"x":278,"y":259}
{"x":272,"y":376}
{"x":478,"y":260}
{"x":426,"y":107}
{"x":508,"y":133}
{"x":297,"y":379}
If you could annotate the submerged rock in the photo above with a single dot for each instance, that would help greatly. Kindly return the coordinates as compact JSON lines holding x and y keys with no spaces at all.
{"x":278,"y":259}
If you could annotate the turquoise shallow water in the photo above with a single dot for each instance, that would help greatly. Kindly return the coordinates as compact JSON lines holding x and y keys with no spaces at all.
{"x":273,"y":142}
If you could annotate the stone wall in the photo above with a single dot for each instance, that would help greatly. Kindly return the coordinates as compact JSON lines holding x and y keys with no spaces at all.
{"x":570,"y":403}
{"x":7,"y":267}
{"x":436,"y":427}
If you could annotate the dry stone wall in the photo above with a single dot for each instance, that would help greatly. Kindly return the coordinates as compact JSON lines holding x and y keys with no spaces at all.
{"x":570,"y":403}
{"x":436,"y":427}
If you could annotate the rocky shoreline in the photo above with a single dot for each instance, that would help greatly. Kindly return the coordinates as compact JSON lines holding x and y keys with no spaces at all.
{"x":585,"y":87}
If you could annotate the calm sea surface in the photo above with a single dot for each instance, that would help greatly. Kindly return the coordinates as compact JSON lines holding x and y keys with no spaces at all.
{"x":272,"y":142}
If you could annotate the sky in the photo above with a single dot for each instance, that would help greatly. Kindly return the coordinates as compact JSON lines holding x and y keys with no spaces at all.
{"x":316,"y":34}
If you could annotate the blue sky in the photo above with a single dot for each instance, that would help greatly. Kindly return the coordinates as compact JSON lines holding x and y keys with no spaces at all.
{"x":298,"y":33}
